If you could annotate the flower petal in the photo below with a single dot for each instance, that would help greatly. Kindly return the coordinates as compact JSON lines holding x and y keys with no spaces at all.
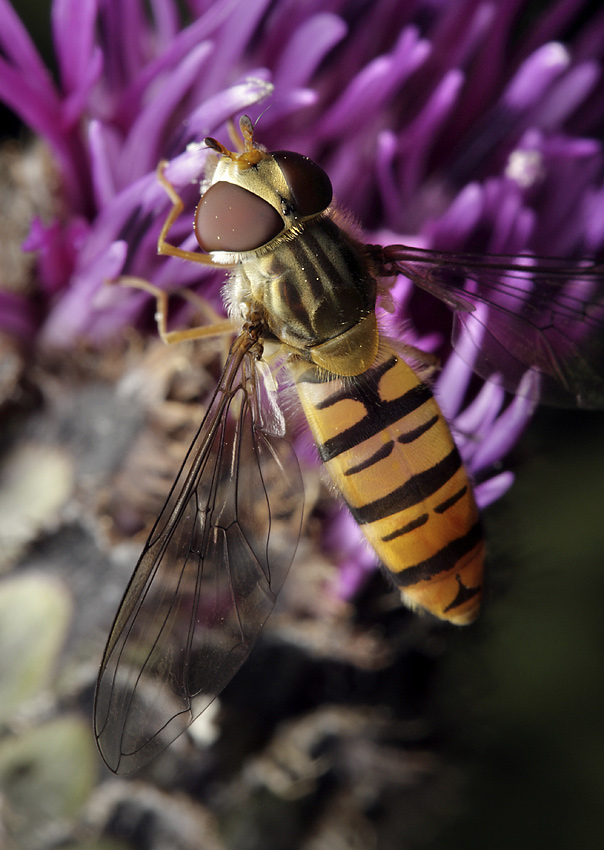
{"x":492,"y":489}
{"x":307,"y":48}
{"x":142,"y":149}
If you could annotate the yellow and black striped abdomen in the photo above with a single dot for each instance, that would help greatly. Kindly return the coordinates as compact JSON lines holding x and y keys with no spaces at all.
{"x":389,"y":451}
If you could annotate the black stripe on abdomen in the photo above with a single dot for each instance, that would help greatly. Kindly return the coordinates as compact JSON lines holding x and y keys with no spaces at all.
{"x":382,"y":453}
{"x":406,"y":529}
{"x":363,"y":389}
{"x":448,"y":503}
{"x":445,"y":559}
{"x":378,"y":416}
{"x":415,"y":490}
{"x":411,"y":436}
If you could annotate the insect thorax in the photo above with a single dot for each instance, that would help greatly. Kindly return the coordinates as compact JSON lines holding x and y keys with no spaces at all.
{"x":317,"y":294}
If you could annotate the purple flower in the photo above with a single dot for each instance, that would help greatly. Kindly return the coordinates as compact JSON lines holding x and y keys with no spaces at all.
{"x":439,"y":124}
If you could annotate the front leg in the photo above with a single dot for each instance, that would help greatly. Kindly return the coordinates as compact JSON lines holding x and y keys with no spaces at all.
{"x":219,"y":327}
{"x":166,"y":248}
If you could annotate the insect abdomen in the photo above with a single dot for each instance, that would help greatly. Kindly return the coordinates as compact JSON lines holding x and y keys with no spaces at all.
{"x":388,"y":449}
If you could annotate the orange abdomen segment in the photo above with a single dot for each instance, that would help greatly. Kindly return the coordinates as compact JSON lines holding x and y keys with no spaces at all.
{"x":389,"y":451}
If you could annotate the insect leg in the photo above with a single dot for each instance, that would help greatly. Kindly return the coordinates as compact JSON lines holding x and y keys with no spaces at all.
{"x":220,"y":327}
{"x":213,"y":319}
{"x":166,"y":248}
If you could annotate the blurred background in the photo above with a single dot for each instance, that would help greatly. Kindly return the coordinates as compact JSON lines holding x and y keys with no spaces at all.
{"x":353,"y":725}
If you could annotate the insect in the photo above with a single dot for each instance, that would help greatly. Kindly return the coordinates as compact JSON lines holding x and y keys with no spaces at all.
{"x":301,"y":287}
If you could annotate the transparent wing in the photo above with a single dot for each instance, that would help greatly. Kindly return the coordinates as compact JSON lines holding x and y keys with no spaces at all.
{"x":208,"y":576}
{"x":514,"y":314}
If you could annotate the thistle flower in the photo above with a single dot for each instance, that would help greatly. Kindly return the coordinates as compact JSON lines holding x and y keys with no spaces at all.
{"x":439,"y":125}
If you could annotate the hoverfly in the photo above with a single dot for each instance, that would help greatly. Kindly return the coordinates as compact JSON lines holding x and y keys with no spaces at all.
{"x":301,"y":286}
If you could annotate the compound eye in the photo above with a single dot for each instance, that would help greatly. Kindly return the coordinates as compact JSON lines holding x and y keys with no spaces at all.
{"x":229,"y":218}
{"x":309,"y":184}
